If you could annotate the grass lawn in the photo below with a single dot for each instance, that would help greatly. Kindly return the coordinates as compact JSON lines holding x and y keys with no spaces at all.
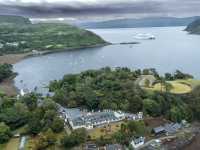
{"x":192,"y":82}
{"x":13,"y":144}
{"x":179,"y":86}
{"x":2,"y":146}
{"x":105,"y":131}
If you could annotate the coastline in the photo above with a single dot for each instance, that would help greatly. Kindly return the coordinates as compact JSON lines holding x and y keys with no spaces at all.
{"x":14,"y":58}
{"x":7,"y":86}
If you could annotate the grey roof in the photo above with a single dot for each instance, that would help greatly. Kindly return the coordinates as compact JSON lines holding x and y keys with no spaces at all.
{"x":169,"y":128}
{"x":172,"y":127}
{"x":159,"y":129}
{"x":94,"y":118}
{"x":114,"y":147}
{"x":91,"y":147}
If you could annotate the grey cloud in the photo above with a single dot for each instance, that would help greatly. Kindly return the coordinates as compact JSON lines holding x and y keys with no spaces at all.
{"x":111,"y":8}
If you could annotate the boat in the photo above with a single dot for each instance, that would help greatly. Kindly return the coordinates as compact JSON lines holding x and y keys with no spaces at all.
{"x":141,"y":36}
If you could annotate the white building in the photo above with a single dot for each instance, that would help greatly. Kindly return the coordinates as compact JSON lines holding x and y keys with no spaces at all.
{"x":137,"y":142}
{"x":36,"y":52}
{"x":138,"y":116}
{"x":90,"y":121}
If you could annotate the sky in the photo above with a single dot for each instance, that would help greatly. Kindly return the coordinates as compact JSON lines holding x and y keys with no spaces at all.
{"x":99,"y":9}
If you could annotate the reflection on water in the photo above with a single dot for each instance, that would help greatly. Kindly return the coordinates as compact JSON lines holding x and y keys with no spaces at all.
{"x":172,"y":49}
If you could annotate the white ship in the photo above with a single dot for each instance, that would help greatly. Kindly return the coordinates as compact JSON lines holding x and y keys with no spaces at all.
{"x":141,"y":36}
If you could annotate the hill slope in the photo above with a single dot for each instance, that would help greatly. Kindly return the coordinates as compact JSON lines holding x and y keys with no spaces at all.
{"x":5,"y":19}
{"x":144,"y":22}
{"x":15,"y":38}
{"x":194,"y":27}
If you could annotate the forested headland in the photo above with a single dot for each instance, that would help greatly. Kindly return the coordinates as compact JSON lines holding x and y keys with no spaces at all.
{"x":116,"y":89}
{"x":18,"y":35}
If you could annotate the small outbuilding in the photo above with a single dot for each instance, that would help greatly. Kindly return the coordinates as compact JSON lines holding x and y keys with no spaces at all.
{"x":159,"y":130}
{"x":137,"y":142}
{"x":91,"y":146}
{"x":114,"y":147}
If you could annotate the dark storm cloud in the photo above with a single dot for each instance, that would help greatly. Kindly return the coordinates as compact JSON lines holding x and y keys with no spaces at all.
{"x":38,"y":10}
{"x":80,"y":8}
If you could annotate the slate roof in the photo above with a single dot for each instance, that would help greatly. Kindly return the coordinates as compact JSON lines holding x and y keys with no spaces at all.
{"x":169,"y":128}
{"x":94,"y":118}
{"x":159,"y":129}
{"x":91,"y":147}
{"x":114,"y":147}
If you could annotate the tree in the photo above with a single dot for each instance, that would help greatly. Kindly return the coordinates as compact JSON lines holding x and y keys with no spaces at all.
{"x":168,"y":87}
{"x":5,"y":133}
{"x":31,"y":101}
{"x":175,"y":114}
{"x":15,"y":116}
{"x":45,"y":140}
{"x":135,"y":104}
{"x":76,"y":138}
{"x":151,"y":107}
{"x":136,"y":127}
{"x":49,"y":104}
{"x":180,"y":75}
{"x":34,"y":122}
{"x":147,"y":83}
{"x":169,"y":77}
{"x":57,"y":125}
{"x":5,"y":71}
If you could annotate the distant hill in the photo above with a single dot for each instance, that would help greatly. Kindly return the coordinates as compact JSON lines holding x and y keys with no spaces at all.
{"x":194,"y":27}
{"x":144,"y":22}
{"x":6,"y":19}
{"x":43,"y":37}
{"x":19,"y":35}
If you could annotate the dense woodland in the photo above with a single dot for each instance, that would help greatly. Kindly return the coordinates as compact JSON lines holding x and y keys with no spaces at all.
{"x":116,"y":89}
{"x":34,"y":116}
{"x":105,"y":88}
{"x":39,"y":117}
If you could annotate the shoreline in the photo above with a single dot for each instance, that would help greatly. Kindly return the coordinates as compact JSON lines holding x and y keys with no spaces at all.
{"x":7,"y":86}
{"x":15,"y":58}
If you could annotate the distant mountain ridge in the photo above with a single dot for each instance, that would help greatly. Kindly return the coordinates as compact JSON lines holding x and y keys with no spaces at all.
{"x":7,"y":19}
{"x":144,"y":22}
{"x":194,"y":27}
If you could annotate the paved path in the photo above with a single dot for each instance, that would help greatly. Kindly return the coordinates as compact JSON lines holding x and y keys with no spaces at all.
{"x":153,"y":140}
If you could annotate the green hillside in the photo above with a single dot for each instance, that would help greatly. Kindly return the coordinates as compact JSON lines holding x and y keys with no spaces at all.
{"x":194,"y":27}
{"x":19,"y":38}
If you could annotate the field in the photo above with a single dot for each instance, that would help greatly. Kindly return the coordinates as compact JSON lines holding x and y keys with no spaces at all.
{"x":179,"y":86}
{"x":192,"y":82}
{"x":13,"y":144}
{"x":2,"y":146}
{"x":105,"y":131}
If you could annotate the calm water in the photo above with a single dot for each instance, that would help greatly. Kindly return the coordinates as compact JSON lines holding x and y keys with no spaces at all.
{"x":173,"y":49}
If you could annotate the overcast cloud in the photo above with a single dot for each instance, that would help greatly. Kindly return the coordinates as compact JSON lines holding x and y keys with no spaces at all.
{"x":80,"y":9}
